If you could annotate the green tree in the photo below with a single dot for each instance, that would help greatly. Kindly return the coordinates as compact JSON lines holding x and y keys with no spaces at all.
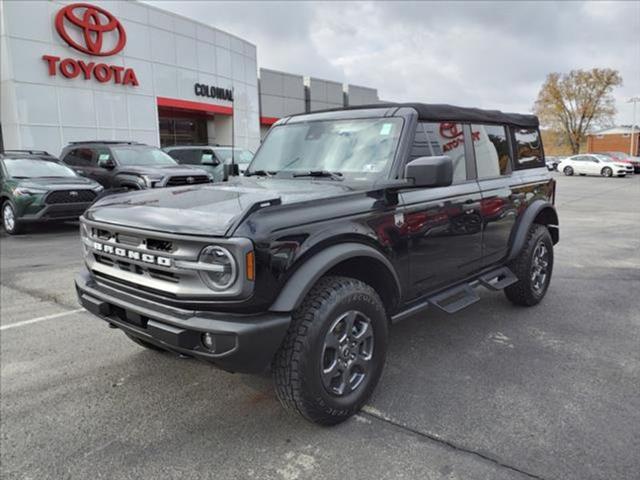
{"x":572,"y":103}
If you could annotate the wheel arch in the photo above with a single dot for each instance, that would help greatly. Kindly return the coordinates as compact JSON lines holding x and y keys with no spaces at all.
{"x":539,"y":212}
{"x":350,"y":259}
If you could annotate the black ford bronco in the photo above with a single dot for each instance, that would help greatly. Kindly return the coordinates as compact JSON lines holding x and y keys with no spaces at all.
{"x":345,"y":222}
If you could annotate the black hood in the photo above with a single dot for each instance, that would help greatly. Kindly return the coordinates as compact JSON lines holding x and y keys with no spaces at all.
{"x":209,"y":209}
{"x":164,"y":170}
{"x":58,"y":183}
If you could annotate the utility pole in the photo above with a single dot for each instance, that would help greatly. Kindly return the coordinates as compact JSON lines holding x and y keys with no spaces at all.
{"x":632,"y":150}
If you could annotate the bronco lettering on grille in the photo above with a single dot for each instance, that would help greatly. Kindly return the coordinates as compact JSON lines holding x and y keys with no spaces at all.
{"x":130,"y":254}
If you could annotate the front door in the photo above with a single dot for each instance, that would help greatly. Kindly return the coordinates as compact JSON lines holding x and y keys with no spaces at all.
{"x":442,"y":225}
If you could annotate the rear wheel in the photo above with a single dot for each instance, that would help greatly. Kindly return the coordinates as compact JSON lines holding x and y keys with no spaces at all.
{"x":606,"y":172}
{"x":533,"y":267}
{"x":9,"y":221}
{"x":334,"y":351}
{"x":568,"y":171}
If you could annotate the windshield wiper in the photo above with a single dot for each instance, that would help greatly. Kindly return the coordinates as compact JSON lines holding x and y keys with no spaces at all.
{"x":260,"y":173}
{"x":320,"y":173}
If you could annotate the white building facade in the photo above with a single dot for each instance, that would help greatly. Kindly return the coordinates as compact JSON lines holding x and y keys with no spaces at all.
{"x":121,"y":70}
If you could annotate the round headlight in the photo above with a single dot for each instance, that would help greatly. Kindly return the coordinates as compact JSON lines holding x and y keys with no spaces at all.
{"x":220,"y":270}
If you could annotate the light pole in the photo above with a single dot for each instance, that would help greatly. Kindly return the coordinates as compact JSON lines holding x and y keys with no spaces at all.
{"x":635,"y":101}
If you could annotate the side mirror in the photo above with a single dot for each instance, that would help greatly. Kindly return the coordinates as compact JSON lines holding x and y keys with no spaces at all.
{"x":107,"y":164}
{"x":430,"y":171}
{"x":230,"y":170}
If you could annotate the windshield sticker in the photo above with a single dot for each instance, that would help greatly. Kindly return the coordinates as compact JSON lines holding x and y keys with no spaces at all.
{"x":207,"y":157}
{"x":385,"y":129}
{"x":104,"y":156}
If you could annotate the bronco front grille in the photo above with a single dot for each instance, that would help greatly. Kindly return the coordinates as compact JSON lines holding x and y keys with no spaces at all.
{"x":161,"y":262}
{"x":187,"y":180}
{"x":70,"y":196}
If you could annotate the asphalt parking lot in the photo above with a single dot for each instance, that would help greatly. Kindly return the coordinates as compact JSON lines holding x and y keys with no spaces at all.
{"x":495,"y":392}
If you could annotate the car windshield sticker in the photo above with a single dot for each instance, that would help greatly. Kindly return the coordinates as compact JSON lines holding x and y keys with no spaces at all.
{"x":385,"y":129}
{"x":207,"y":157}
{"x":103,"y":156}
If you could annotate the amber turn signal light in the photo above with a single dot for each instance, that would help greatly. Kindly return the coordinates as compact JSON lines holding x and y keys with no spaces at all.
{"x":251,"y":266}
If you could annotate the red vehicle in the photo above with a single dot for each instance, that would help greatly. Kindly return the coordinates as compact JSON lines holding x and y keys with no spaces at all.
{"x":624,"y":158}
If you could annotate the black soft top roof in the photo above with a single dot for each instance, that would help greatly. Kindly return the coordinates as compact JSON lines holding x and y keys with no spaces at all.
{"x":443,"y":112}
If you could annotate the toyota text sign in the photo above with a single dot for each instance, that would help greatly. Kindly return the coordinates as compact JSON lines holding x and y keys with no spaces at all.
{"x":96,"y":32}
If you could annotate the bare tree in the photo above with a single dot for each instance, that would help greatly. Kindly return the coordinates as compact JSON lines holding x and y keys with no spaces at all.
{"x":571,"y":103}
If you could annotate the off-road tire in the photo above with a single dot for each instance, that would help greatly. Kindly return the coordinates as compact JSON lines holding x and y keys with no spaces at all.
{"x":297,"y":365}
{"x":523,"y":293}
{"x":144,"y":344}
{"x":568,"y":171}
{"x":18,"y":227}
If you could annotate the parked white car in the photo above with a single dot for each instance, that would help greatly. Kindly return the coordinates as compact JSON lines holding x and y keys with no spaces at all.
{"x":594,"y":164}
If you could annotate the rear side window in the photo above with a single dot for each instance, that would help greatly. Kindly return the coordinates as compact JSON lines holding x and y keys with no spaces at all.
{"x":192,"y":156}
{"x":528,"y":149}
{"x":79,"y":157}
{"x":492,"y":150}
{"x":444,"y":138}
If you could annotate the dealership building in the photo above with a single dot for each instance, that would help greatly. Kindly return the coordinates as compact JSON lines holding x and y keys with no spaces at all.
{"x":115,"y":70}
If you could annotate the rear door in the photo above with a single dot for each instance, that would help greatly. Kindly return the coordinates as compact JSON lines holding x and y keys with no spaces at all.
{"x":442,"y":225}
{"x":498,"y":206}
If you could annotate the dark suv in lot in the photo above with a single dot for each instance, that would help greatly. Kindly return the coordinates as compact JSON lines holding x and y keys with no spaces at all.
{"x":345,"y":222}
{"x":129,"y":165}
{"x":34,"y":188}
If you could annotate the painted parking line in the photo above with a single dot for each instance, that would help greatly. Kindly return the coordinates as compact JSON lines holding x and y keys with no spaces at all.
{"x":40,"y":319}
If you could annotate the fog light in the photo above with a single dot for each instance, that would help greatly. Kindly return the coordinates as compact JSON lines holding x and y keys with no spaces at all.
{"x":209,"y":341}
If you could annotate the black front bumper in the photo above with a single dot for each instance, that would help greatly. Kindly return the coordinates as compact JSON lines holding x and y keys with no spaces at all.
{"x":244,"y":343}
{"x":57,"y":212}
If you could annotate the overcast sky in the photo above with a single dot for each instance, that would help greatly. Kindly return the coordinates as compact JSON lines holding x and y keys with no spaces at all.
{"x":484,"y":54}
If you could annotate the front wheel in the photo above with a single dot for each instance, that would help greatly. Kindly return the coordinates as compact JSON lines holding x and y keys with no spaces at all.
{"x":606,"y":172}
{"x":568,"y":171}
{"x":533,"y":267}
{"x":9,"y":221}
{"x":333,"y":354}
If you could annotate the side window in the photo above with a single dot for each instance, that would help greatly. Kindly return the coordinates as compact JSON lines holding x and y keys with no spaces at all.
{"x":185,"y":156}
{"x":102,"y":156}
{"x":528,"y":148}
{"x":445,"y":138}
{"x":492,"y":150}
{"x":80,"y":157}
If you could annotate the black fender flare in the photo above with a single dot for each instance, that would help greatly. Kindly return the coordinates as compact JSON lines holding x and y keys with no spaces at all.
{"x":306,"y":276}
{"x":539,"y":208}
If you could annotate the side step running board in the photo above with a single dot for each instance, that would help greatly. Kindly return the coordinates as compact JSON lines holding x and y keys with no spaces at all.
{"x":461,"y":296}
{"x":455,"y":299}
{"x":498,"y":279}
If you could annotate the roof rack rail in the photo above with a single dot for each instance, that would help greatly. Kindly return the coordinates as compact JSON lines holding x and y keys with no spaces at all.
{"x":110,"y":142}
{"x":30,"y":152}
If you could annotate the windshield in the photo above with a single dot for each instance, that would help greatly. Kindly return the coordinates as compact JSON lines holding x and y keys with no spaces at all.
{"x":142,"y":156}
{"x":240,"y":155}
{"x":28,"y":168}
{"x":605,"y":158}
{"x":360,"y":149}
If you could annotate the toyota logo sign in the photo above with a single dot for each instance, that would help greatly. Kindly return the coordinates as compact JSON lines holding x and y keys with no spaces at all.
{"x":94,"y":31}
{"x":92,"y":24}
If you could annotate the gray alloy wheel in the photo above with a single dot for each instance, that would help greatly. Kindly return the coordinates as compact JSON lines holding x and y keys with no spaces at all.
{"x":539,"y":268}
{"x":347,"y":353}
{"x":607,"y":172}
{"x":568,"y":171}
